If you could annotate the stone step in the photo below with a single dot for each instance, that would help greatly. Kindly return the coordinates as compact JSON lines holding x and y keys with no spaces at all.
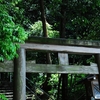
{"x":9,"y":94}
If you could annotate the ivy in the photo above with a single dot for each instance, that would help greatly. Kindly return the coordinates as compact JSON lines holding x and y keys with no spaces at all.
{"x":11,"y":34}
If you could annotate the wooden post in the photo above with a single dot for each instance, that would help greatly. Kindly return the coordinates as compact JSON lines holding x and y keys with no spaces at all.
{"x":63,"y":60}
{"x":97,"y":59}
{"x":20,"y":76}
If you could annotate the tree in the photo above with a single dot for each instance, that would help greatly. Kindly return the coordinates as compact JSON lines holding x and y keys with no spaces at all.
{"x":45,"y":34}
{"x":64,"y":77}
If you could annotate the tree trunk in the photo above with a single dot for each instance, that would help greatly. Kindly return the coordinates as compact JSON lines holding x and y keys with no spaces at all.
{"x":63,"y":35}
{"x":63,"y":19}
{"x":58,"y":94}
{"x":43,"y":18}
{"x":45,"y":34}
{"x":64,"y":86}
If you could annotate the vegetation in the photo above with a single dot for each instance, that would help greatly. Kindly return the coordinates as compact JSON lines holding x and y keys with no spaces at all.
{"x":2,"y":97}
{"x":11,"y":34}
{"x":36,"y":30}
{"x":71,"y":19}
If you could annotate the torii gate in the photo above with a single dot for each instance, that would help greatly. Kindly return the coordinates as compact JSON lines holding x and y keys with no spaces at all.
{"x":50,"y":45}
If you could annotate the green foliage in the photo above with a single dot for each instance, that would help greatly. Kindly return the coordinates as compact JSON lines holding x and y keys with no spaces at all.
{"x":53,"y":82}
{"x":36,"y":30}
{"x":82,"y":17}
{"x":76,"y":86}
{"x":3,"y":97}
{"x":10,"y":35}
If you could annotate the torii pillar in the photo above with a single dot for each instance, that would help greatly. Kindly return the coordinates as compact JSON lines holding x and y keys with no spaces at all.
{"x":20,"y":76}
{"x":97,"y":59}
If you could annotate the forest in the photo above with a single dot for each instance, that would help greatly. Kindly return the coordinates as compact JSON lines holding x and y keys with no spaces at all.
{"x":68,"y":19}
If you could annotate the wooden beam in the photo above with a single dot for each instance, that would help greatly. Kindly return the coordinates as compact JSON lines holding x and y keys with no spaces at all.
{"x":7,"y":66}
{"x":61,"y":41}
{"x":49,"y":68}
{"x":42,"y":68}
{"x":60,"y":48}
{"x":20,"y":76}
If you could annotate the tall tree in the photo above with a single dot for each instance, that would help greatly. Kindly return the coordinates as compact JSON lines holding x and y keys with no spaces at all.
{"x":64,"y":77}
{"x":64,"y":6}
{"x":43,"y":18}
{"x":45,"y":34}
